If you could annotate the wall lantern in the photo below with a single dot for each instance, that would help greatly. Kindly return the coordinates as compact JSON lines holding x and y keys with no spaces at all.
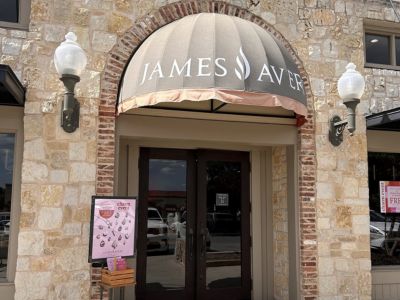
{"x":350,"y":87}
{"x":70,"y":60}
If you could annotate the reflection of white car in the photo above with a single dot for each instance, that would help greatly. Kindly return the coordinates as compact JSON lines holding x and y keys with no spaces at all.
{"x":378,"y":220}
{"x":5,"y":227}
{"x":157,"y":231}
{"x":377,"y":237}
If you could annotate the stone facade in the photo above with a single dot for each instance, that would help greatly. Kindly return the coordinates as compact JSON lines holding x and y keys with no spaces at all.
{"x":61,"y":171}
{"x":118,"y":58}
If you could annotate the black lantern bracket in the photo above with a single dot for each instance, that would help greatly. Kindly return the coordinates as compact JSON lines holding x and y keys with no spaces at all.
{"x":336,"y":129}
{"x":337,"y":125}
{"x":70,"y":106}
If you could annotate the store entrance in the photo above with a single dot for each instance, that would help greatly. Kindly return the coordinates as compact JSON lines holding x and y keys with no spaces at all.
{"x":194,"y":225}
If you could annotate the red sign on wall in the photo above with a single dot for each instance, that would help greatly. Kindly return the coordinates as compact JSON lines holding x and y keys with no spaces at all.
{"x":390,"y":196}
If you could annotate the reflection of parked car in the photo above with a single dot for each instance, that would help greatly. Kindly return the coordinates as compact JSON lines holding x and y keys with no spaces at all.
{"x":5,"y":227}
{"x":4,"y":235}
{"x":157,"y":232}
{"x":378,"y":220}
{"x":377,"y":237}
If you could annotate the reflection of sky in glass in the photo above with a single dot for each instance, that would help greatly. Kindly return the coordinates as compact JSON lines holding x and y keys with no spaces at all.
{"x":167,"y":175}
{"x":6,"y":158}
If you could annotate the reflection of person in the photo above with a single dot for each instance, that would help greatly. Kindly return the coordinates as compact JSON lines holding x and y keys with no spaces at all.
{"x":181,"y":236}
{"x":171,"y":219}
{"x":182,"y":211}
{"x":181,"y":225}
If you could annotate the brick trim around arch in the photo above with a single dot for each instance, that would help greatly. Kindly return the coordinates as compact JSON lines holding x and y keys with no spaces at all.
{"x":117,"y":60}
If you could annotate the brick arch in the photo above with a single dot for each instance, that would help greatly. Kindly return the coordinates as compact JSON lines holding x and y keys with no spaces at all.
{"x":118,"y":58}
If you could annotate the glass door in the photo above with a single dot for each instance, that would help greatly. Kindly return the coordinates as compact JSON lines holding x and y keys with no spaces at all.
{"x":165,"y":260}
{"x":194,"y":225}
{"x":223,"y":225}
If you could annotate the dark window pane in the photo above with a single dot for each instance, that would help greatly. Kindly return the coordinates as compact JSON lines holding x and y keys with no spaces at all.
{"x":9,"y":11}
{"x":6,"y":174}
{"x":384,"y":227}
{"x":377,"y":49}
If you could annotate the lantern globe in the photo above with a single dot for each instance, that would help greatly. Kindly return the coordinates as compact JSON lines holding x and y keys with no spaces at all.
{"x":351,"y":84}
{"x":69,"y":58}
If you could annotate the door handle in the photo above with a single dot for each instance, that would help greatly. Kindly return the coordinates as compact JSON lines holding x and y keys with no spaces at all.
{"x":203,"y":241}
{"x":190,"y":237}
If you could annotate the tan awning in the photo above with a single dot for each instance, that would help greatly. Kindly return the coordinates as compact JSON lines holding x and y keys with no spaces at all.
{"x":212,"y":56}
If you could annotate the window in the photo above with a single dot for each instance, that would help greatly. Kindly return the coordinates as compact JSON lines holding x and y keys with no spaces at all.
{"x":382,"y":44}
{"x":15,"y":13}
{"x":9,"y":11}
{"x":377,"y":49}
{"x":7,"y":142}
{"x":384,"y":227}
{"x":11,"y":147}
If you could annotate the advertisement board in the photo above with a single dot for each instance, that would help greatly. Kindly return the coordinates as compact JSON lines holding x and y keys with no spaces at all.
{"x":390,"y":196}
{"x":112,"y":228}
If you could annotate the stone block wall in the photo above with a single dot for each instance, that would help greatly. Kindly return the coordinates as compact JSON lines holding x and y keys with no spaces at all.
{"x":383,"y":89}
{"x":382,"y":85}
{"x":280,"y":223}
{"x":61,"y":171}
{"x":327,"y":37}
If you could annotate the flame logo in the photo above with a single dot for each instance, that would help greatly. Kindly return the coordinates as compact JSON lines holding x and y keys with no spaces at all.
{"x":244,"y":71}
